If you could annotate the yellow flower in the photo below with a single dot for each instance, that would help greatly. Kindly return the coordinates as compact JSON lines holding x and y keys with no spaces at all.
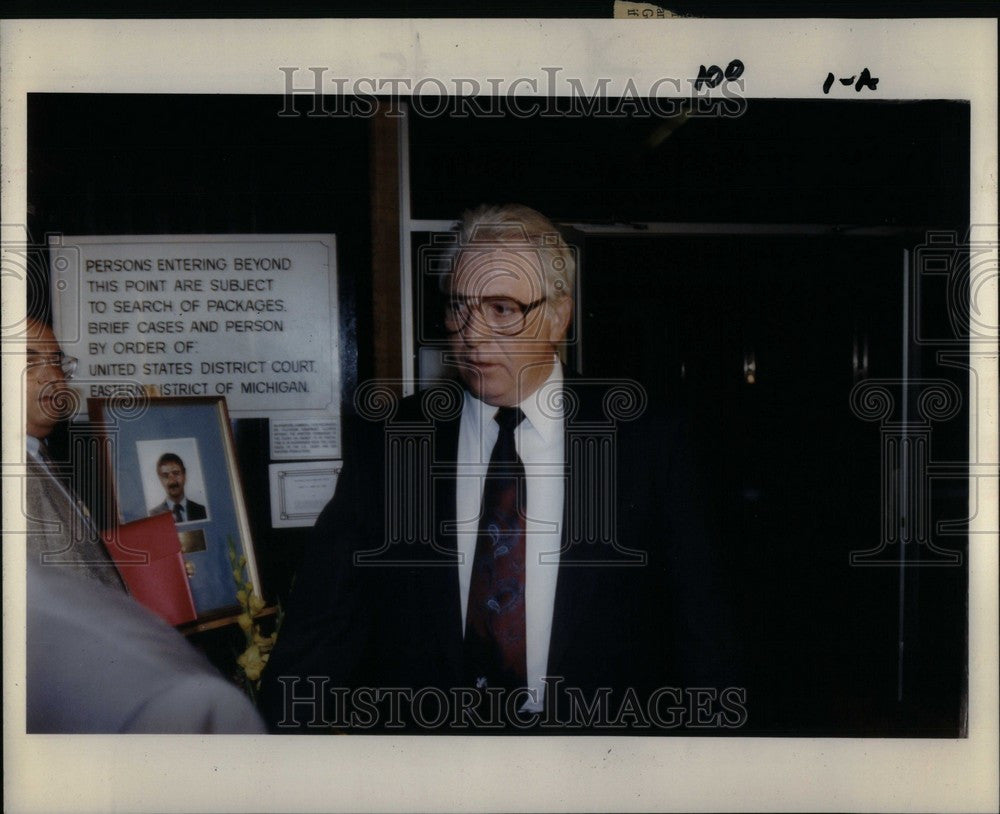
{"x":252,"y":662}
{"x":265,"y":643}
{"x":237,"y":576}
{"x":241,"y":595}
{"x":256,"y":603}
{"x":245,"y":622}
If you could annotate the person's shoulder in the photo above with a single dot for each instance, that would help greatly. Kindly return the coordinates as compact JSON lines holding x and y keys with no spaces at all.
{"x":145,"y":687}
{"x":381,"y":404}
{"x":382,"y":413}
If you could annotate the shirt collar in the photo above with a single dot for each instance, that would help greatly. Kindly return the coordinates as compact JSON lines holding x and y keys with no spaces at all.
{"x":542,"y":409}
{"x":33,"y":445}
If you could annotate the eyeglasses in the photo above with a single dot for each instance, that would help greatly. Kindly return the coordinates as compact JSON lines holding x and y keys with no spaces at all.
{"x":498,"y":315}
{"x":38,"y":361}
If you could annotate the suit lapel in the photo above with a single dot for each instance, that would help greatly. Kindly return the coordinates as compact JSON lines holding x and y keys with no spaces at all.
{"x":445,"y":572}
{"x":575,"y":586}
{"x":73,"y":540}
{"x":58,"y":514}
{"x":578,"y":574}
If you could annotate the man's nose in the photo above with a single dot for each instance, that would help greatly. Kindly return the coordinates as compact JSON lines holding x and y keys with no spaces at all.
{"x":50,"y":373}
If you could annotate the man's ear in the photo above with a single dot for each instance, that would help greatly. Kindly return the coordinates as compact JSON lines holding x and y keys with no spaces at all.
{"x":560,"y":316}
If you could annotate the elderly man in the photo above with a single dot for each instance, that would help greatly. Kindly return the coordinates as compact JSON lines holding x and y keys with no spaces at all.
{"x":514,"y":553}
{"x":60,"y":531}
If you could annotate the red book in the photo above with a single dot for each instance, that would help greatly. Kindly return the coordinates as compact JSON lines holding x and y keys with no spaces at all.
{"x":148,"y":555}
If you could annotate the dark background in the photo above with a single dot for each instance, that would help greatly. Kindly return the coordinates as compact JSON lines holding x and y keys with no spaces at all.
{"x":829,"y":195}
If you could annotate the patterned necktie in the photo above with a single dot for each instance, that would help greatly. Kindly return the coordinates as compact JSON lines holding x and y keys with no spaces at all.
{"x":495,"y":628}
{"x":178,"y":513}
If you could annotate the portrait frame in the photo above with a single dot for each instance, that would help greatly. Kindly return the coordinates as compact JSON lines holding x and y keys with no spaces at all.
{"x":132,"y":434}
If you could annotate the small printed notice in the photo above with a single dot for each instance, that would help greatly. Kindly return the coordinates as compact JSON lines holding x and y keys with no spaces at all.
{"x":299,"y":491}
{"x":305,"y":439}
{"x":249,"y":317}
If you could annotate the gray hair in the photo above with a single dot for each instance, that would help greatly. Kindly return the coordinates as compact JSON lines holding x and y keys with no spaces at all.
{"x":513,"y":224}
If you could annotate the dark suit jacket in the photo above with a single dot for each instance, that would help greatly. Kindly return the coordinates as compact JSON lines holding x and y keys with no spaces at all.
{"x":195,"y":511}
{"x":376,"y":602}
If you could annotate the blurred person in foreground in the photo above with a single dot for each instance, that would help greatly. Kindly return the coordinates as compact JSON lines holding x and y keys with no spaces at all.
{"x":60,"y":531}
{"x":97,"y":661}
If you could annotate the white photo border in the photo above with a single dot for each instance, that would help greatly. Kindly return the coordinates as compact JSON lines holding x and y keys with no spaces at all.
{"x":915,"y":59}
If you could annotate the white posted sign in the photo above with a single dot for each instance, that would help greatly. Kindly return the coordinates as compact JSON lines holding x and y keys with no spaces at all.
{"x":249,"y":317}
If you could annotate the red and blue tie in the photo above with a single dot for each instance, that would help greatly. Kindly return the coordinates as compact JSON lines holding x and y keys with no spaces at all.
{"x":495,"y":621}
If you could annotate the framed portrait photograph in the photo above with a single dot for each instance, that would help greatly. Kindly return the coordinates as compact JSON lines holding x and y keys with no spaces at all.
{"x":176,"y":456}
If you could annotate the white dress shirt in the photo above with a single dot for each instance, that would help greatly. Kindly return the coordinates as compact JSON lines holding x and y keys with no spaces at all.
{"x":184,"y":508}
{"x":540,"y":445}
{"x":33,"y":445}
